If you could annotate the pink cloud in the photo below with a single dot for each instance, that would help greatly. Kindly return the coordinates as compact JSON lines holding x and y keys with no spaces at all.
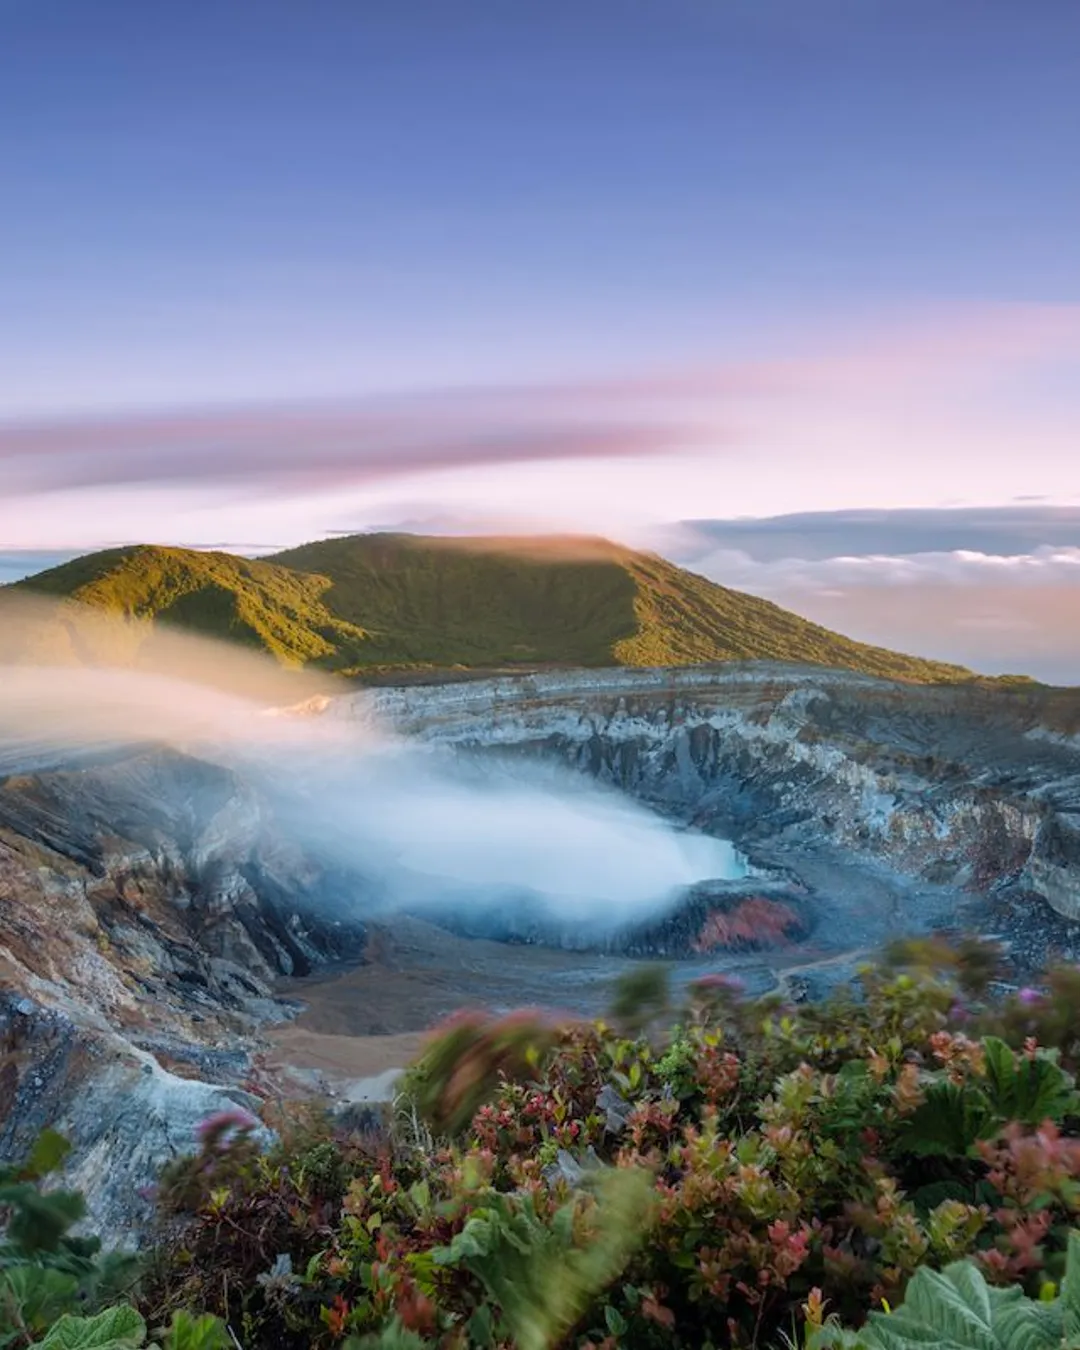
{"x":310,"y":448}
{"x":316,"y":446}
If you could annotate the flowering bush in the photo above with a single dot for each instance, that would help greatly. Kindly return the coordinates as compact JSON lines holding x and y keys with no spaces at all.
{"x":718,"y":1182}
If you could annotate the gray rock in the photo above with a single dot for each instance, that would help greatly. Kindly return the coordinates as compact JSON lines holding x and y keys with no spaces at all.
{"x":617,"y":1110}
{"x":147,"y":903}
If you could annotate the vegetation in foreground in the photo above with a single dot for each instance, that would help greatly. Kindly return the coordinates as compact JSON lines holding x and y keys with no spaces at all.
{"x":896,"y":1166}
{"x":374,"y":604}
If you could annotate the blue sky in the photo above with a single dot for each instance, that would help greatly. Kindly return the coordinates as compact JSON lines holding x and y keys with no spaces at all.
{"x":211,"y":201}
{"x":270,"y":270}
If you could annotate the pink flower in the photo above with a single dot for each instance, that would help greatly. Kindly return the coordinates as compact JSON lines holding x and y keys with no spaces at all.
{"x":217,"y":1126}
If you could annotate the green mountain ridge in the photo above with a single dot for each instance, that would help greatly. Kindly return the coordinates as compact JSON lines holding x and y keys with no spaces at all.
{"x":366,"y":605}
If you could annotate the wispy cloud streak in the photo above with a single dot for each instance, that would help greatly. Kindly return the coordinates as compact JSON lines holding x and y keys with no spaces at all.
{"x":310,"y":447}
{"x":270,"y":449}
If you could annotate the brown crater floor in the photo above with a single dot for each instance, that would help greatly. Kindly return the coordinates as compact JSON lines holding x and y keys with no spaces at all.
{"x":359,"y":1022}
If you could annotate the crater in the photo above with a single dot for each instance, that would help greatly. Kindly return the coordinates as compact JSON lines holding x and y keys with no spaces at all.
{"x":770,"y":823}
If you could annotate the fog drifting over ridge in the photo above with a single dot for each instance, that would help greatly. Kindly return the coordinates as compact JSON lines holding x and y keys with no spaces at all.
{"x":421,"y":826}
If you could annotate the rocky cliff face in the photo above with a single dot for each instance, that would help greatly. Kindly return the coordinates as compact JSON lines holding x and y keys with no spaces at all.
{"x":926,"y":797}
{"x":147,"y":903}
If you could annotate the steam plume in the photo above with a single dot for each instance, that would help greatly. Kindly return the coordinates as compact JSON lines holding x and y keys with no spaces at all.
{"x":430,"y":829}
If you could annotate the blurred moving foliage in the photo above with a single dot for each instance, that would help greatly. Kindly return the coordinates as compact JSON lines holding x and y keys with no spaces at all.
{"x":896,"y":1165}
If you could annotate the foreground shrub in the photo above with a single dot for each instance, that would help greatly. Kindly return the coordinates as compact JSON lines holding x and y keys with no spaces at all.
{"x":470,"y":1055}
{"x":699,"y":1185}
{"x":714,"y":1176}
{"x":958,"y":1310}
{"x":45,"y":1271}
{"x":55,"y":1287}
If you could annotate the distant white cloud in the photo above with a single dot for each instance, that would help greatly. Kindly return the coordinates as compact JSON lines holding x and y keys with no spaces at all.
{"x":1005,"y":531}
{"x":1048,"y":565}
{"x":1005,"y":598}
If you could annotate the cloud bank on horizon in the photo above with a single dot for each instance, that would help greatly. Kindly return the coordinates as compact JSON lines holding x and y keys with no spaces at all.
{"x":997,"y":589}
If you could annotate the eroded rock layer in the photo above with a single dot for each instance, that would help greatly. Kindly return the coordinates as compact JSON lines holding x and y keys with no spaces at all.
{"x":148,"y":904}
{"x":960,"y":786}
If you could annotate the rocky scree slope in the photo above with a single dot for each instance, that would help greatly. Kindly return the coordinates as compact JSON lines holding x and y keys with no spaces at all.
{"x":147,"y":904}
{"x":379,"y":605}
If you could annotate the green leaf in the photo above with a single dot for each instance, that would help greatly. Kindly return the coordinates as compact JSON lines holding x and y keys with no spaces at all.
{"x":956,"y":1309}
{"x":1030,"y":1325}
{"x":48,"y":1153}
{"x":544,"y":1290}
{"x":616,"y":1322}
{"x":481,"y":1326}
{"x":473,"y":1241}
{"x":1029,"y":1089}
{"x":950,"y":1121}
{"x":1070,"y":1288}
{"x":196,"y":1333}
{"x":394,"y":1336}
{"x":113,"y":1329}
{"x":38,"y":1293}
{"x":39,"y":1220}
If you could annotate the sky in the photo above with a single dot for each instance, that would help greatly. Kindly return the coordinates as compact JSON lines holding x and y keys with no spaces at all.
{"x":273,"y":271}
